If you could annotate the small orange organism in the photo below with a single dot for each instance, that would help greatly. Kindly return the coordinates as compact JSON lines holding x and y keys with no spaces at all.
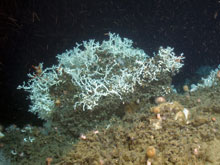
{"x":57,"y":102}
{"x":185,"y":88}
{"x":49,"y":160}
{"x":38,"y":70}
{"x":160,"y":100}
{"x":218,"y":74}
{"x":151,"y":152}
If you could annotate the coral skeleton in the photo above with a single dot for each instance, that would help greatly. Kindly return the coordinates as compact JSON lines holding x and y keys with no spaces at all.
{"x":209,"y":81}
{"x":112,"y":68}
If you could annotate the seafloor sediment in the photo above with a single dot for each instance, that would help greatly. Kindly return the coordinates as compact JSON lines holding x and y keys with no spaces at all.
{"x":184,"y":130}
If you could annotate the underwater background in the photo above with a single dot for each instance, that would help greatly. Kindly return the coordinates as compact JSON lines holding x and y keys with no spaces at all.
{"x":32,"y":32}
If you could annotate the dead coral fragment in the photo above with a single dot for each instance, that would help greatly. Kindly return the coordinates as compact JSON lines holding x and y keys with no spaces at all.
{"x":156,"y":123}
{"x":182,"y":116}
